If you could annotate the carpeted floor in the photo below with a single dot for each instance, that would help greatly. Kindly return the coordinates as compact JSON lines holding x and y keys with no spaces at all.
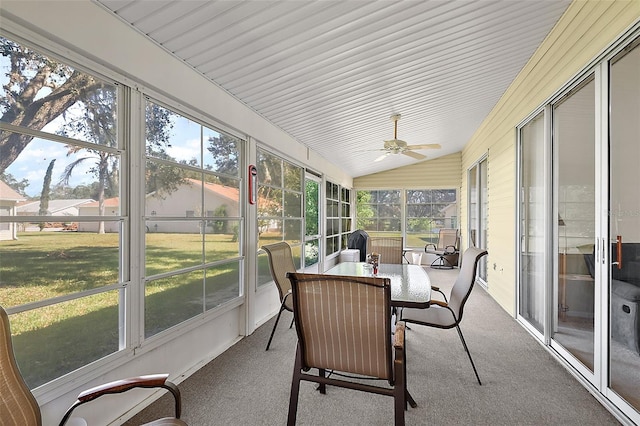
{"x":522,"y":383}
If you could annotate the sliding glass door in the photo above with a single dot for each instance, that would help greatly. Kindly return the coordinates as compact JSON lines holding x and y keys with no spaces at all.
{"x":624,"y":226}
{"x":478,"y":205}
{"x":532,"y":277}
{"x":579,"y":235}
{"x":573,"y":141}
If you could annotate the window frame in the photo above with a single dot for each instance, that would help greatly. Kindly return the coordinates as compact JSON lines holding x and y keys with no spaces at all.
{"x":130,"y":131}
{"x":48,"y":390}
{"x":261,"y":259}
{"x":200,"y":219}
{"x":403,"y":206}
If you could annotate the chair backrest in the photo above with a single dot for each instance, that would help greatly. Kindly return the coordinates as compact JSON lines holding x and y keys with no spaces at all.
{"x":344,"y":323}
{"x":465,"y":281}
{"x":280,"y":262}
{"x":389,"y":248}
{"x":17,"y":405}
{"x":448,"y":237}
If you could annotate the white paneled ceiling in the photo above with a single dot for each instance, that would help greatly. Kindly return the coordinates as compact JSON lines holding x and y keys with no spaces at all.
{"x":332,"y":73}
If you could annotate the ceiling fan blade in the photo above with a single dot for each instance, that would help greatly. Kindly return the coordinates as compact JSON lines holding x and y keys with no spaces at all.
{"x":414,"y":155}
{"x":370,"y":150}
{"x":382,"y":157}
{"x":425,"y":146}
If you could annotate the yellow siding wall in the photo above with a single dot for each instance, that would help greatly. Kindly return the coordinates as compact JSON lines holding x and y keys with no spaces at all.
{"x":583,"y":32}
{"x":443,"y":172}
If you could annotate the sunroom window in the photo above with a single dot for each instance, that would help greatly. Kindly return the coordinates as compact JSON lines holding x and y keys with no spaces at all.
{"x":61,"y":163}
{"x":192,"y":218}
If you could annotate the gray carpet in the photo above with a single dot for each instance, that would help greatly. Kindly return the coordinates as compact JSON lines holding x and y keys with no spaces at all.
{"x":522,"y":383}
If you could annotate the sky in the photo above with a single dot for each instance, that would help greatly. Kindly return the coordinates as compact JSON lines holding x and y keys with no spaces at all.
{"x":32,"y":163}
{"x":34,"y":160}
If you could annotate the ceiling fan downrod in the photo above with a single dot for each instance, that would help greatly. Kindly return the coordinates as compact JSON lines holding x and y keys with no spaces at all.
{"x":395,"y":118}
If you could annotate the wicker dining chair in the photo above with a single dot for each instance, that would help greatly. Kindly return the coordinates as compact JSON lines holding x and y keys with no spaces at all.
{"x":344,"y":326}
{"x":280,"y":262}
{"x":18,"y":407}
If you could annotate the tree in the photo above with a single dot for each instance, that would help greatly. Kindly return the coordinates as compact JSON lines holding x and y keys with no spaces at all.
{"x":224,"y":151}
{"x":97,"y":124}
{"x":160,"y":177}
{"x":311,"y":208}
{"x":39,"y":90}
{"x":364,"y":212}
{"x":65,"y":192}
{"x":219,"y":226}
{"x":44,"y":196}
{"x":18,"y":186}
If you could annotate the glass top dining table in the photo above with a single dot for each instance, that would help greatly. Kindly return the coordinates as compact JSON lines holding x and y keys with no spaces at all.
{"x":410,"y":285}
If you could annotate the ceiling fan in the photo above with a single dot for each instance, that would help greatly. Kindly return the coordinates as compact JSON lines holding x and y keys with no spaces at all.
{"x":397,"y":146}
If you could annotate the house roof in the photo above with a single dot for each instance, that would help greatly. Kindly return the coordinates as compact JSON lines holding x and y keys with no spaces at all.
{"x":55,"y":206}
{"x":108,"y":202}
{"x":229,"y":192}
{"x":8,"y":193}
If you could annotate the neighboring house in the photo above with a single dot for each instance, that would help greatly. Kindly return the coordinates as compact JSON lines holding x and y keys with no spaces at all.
{"x":450,"y":213}
{"x":8,"y":200}
{"x":111,"y":208}
{"x":185,"y":201}
{"x":56,"y":207}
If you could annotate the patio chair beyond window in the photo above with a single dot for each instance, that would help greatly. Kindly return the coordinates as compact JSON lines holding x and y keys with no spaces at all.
{"x":446,"y":249}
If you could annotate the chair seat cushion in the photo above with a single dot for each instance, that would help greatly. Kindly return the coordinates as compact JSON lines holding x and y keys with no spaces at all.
{"x":434,"y":316}
{"x":627,"y":291}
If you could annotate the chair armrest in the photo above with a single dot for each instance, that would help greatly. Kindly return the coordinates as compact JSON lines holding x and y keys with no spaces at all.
{"x":120,"y":386}
{"x":439,"y":303}
{"x":398,"y":336}
{"x":426,"y":247}
{"x":436,"y":288}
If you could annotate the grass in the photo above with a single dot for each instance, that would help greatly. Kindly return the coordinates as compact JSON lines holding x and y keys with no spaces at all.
{"x":42,"y":265}
{"x":55,"y":340}
{"x":60,"y":338}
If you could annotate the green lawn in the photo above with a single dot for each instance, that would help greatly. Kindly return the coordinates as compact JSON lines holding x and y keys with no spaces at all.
{"x":57,"y":339}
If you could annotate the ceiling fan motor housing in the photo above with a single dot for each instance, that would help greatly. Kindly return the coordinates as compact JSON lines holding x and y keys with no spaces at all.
{"x":395,"y":145}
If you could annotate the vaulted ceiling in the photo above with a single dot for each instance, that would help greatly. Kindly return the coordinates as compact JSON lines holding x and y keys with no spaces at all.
{"x":332,"y":73}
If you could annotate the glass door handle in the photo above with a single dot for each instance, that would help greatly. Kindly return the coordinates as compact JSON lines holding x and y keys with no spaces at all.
{"x":618,"y":262}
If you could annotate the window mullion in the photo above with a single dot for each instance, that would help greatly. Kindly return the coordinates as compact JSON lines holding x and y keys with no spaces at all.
{"x":134,"y":139}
